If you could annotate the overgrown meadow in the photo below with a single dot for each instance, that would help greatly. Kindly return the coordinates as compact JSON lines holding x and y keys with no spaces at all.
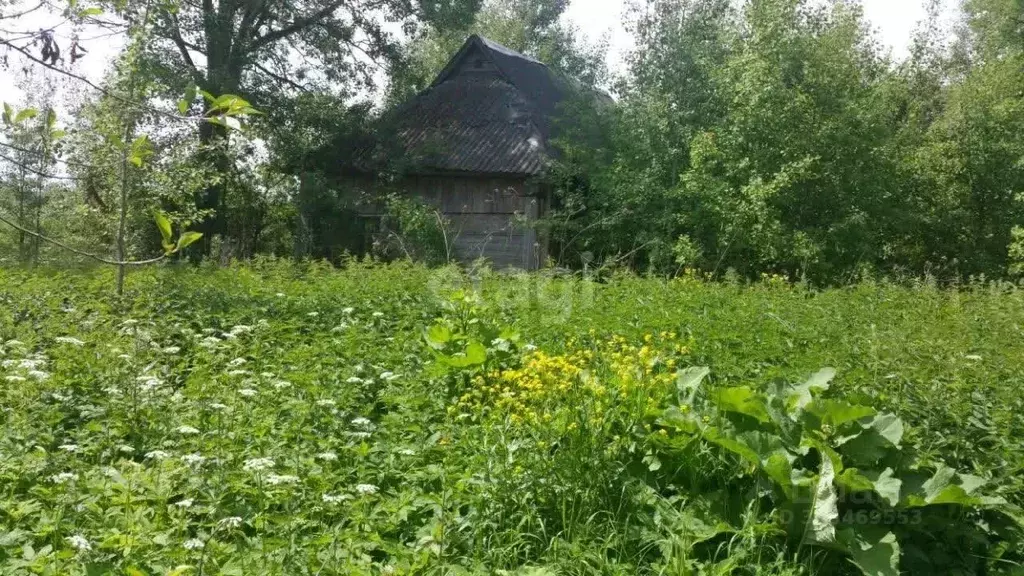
{"x":298,"y":419}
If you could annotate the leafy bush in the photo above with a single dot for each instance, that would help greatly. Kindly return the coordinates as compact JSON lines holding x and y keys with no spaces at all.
{"x":292,"y":418}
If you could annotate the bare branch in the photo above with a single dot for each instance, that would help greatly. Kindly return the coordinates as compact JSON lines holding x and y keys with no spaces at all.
{"x":36,"y":172}
{"x":296,"y":26}
{"x":97,"y":87}
{"x":81,"y":252}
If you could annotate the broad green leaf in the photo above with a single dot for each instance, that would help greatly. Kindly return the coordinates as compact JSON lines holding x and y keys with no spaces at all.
{"x":25,"y":114}
{"x":942,"y":478}
{"x":836,"y":413}
{"x":437,"y":336}
{"x":688,"y":382}
{"x":94,"y":11}
{"x":887,"y":485}
{"x":187,"y":239}
{"x":852,"y":480}
{"x":164,"y":224}
{"x":742,"y":400}
{"x":675,"y":418}
{"x":779,"y":469}
{"x":475,"y":355}
{"x":825,"y":512}
{"x":801,"y":395}
{"x":873,"y":550}
{"x":183,"y":106}
{"x":888,"y":426}
{"x":723,"y":440}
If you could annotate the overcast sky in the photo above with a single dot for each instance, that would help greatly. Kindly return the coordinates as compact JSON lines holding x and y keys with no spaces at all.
{"x":893,"y":19}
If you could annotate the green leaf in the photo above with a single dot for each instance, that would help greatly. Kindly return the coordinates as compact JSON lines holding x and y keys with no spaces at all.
{"x":801,"y":395}
{"x":723,"y":440}
{"x":141,"y":150}
{"x":852,"y":480}
{"x":25,"y":114}
{"x":164,"y":224}
{"x":8,"y":114}
{"x":887,"y":485}
{"x":742,"y":400}
{"x":825,"y":512}
{"x":888,"y":426}
{"x":475,"y":355}
{"x":688,"y":382}
{"x":873,"y":550}
{"x":437,"y":336}
{"x":187,"y":239}
{"x":780,"y":469}
{"x":94,"y":11}
{"x":183,"y":107}
{"x":836,"y":413}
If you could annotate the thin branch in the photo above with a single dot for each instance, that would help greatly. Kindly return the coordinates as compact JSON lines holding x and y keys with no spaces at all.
{"x":58,"y":160}
{"x":81,"y":252}
{"x":296,"y":26}
{"x":26,"y":12}
{"x":183,"y":48}
{"x":99,"y":88}
{"x":37,"y":172}
{"x":281,"y":79}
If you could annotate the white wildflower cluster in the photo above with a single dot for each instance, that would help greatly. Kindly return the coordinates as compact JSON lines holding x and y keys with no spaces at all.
{"x":157,"y":455}
{"x":237,"y":362}
{"x":257,"y":464}
{"x":171,"y":349}
{"x":195,"y":459}
{"x":281,"y":384}
{"x":281,"y":479}
{"x":326,"y":403}
{"x":69,"y":340}
{"x":184,"y":504}
{"x":69,"y":447}
{"x":229,"y":523}
{"x":247,"y":392}
{"x":366,"y":488}
{"x":63,"y":477}
{"x":359,"y":435}
{"x":348,"y":310}
{"x":194,"y":544}
{"x":407,"y":452}
{"x":378,"y":314}
{"x":327,"y":456}
{"x":389,"y":376}
{"x":187,"y":430}
{"x":210,"y":342}
{"x":30,"y":367}
{"x":355,"y":380}
{"x":361,"y":422}
{"x":79,"y":543}
{"x":148,"y":384}
{"x":238,"y":330}
{"x":217,"y":406}
{"x":335,"y":498}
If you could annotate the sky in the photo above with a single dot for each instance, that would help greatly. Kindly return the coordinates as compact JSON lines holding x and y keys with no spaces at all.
{"x":894,"y":21}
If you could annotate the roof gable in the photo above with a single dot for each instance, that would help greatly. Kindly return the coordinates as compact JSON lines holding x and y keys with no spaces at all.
{"x":538,"y":85}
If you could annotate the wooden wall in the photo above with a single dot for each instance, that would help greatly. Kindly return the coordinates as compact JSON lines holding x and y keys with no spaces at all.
{"x":490,"y":217}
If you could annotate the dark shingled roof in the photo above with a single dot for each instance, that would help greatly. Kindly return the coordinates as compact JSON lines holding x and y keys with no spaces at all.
{"x":497,"y":123}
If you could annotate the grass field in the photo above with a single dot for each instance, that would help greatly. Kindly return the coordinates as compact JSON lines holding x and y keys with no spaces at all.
{"x":287,"y":419}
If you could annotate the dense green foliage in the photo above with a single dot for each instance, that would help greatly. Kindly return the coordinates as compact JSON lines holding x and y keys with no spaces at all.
{"x":780,"y":137}
{"x":298,"y":419}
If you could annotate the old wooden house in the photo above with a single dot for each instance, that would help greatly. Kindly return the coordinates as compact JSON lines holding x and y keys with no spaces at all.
{"x":475,"y":145}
